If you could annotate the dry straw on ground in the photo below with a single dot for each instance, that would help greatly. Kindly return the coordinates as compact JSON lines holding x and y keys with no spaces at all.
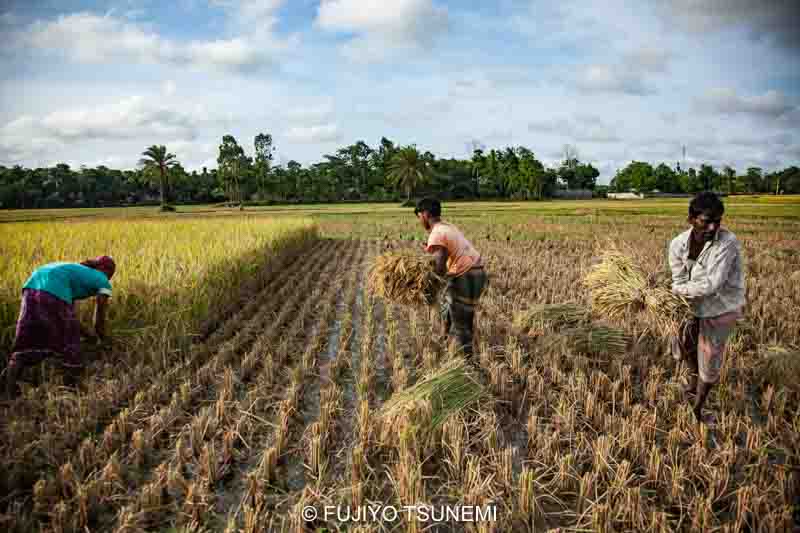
{"x":620,"y":287}
{"x":404,"y":277}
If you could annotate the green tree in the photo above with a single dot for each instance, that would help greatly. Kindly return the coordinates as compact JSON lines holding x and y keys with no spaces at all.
{"x":789,"y":180}
{"x":586,"y":176}
{"x":408,"y":170}
{"x":357,"y":158}
{"x":229,"y":163}
{"x":730,"y":179}
{"x":637,"y":175}
{"x":264,"y":153}
{"x":708,"y":177}
{"x":157,"y":161}
{"x":753,"y":180}
{"x":477,"y":163}
{"x":666,"y":180}
{"x":529,"y":179}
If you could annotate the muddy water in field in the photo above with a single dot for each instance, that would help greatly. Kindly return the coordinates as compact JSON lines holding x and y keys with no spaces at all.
{"x":295,"y":472}
{"x":334,"y":334}
{"x":344,"y":426}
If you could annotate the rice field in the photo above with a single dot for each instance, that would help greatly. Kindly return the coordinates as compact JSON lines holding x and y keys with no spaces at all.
{"x":279,"y":402}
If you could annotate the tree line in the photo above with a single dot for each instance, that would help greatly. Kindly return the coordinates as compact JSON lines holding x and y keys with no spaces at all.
{"x":643,"y":177}
{"x":358,"y":172}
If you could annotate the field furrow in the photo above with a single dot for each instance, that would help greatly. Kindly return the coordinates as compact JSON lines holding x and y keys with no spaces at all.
{"x":303,"y":415}
{"x":206,"y":448}
{"x":192,"y":478}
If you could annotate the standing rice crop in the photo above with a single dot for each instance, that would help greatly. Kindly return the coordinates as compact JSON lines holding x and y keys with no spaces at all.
{"x":168,"y":271}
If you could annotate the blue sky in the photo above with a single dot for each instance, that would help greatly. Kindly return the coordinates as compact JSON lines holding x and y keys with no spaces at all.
{"x":90,"y":82}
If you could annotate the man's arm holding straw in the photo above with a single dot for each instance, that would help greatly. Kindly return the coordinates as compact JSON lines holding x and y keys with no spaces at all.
{"x":680,"y":274}
{"x":718,"y":271}
{"x":439,"y":259}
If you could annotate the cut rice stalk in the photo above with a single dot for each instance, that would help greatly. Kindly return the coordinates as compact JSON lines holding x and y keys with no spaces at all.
{"x":406,"y":278}
{"x":537,"y":318}
{"x":443,"y":393}
{"x":596,"y":340}
{"x":620,"y":288}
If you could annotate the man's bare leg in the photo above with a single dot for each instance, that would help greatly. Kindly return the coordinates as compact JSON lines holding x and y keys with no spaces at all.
{"x":692,"y":384}
{"x":703,"y":389}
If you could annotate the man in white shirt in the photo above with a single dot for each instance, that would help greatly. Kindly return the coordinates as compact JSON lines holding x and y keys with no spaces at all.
{"x":707,"y":269}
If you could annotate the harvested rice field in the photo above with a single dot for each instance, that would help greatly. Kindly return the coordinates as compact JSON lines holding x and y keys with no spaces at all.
{"x":267,"y":413}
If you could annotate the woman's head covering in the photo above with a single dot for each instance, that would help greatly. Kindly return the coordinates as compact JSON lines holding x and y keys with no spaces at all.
{"x":103,"y":263}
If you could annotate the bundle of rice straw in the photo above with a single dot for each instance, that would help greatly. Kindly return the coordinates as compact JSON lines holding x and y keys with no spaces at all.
{"x":440,"y":395}
{"x":405,"y":277}
{"x":620,"y":287}
{"x":539,"y":317}
{"x":780,"y":367}
{"x":596,"y":340}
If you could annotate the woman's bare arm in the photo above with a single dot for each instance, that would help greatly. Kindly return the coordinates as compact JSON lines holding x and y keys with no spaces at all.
{"x":100,"y":309}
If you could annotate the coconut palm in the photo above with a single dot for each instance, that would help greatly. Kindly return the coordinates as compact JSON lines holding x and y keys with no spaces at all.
{"x":408,"y":169}
{"x":157,"y":158}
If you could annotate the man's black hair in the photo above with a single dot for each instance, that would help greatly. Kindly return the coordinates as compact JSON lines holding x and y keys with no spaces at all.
{"x":706,"y":202}
{"x":431,"y":205}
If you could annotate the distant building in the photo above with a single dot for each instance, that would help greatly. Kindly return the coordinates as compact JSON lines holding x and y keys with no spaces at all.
{"x":641,"y":195}
{"x":625,"y":196}
{"x":573,"y":194}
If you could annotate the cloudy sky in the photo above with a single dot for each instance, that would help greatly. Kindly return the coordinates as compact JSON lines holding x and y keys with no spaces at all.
{"x":89,"y":82}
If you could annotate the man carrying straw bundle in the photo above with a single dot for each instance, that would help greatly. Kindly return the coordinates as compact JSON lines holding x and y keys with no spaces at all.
{"x":707,"y":270}
{"x":457,"y":259}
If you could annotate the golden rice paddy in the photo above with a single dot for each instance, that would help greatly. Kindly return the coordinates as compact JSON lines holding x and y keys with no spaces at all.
{"x":273,"y":397}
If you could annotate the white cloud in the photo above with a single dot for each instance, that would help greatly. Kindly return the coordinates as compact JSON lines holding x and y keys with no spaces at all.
{"x":628,"y":75}
{"x":135,"y":117}
{"x":581,"y":128}
{"x":648,"y":59}
{"x":727,"y":101}
{"x":381,"y":30}
{"x":311,"y":114}
{"x":89,"y":38}
{"x":252,"y":9}
{"x":168,"y":88}
{"x":611,"y":79}
{"x":314,"y":134}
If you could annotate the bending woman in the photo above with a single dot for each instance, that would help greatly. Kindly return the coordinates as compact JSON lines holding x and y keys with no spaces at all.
{"x":48,"y":325}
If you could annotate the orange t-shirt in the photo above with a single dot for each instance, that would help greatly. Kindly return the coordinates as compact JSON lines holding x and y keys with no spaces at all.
{"x":461,"y":255}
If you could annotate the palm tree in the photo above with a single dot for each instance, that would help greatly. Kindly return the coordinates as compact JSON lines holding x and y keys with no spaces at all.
{"x":157,"y":158}
{"x":408,"y":169}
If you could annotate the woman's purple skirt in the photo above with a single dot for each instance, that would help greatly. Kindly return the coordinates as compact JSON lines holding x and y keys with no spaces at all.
{"x":47,"y":327}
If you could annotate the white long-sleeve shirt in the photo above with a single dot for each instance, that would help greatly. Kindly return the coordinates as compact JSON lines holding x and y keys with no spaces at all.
{"x":714,"y":282}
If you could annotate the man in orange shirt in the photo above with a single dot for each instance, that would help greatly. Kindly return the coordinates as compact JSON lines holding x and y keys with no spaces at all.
{"x":457,"y":259}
